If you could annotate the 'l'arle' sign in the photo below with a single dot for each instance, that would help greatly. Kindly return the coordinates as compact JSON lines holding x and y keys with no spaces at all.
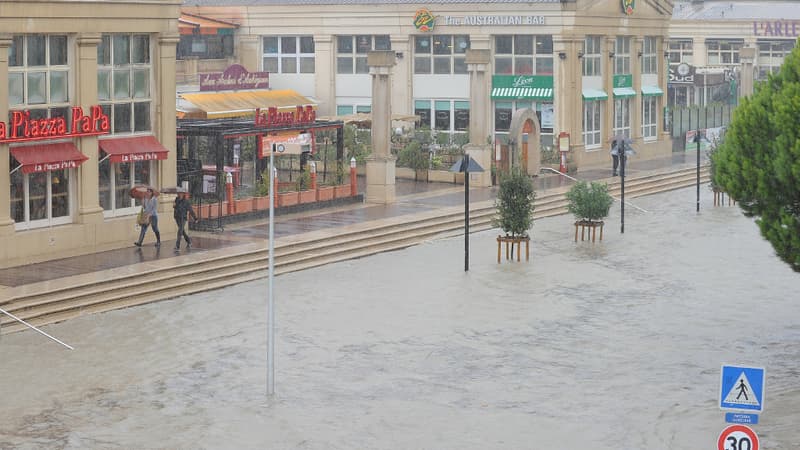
{"x":25,"y":128}
{"x":234,"y":77}
{"x":786,"y":28}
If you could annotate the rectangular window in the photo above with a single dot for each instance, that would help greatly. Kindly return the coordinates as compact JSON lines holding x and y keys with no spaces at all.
{"x":680,"y":51}
{"x":771,"y":55}
{"x":502,"y":115}
{"x":206,"y":46}
{"x":622,"y":117}
{"x":288,"y":54}
{"x":39,"y":73}
{"x":461,"y":116}
{"x":440,"y":54}
{"x":442,"y":115}
{"x":622,"y":55}
{"x":116,"y":181}
{"x":343,"y":110}
{"x":649,"y":58}
{"x":39,"y":199}
{"x":422,"y":108}
{"x":723,"y":52}
{"x":592,"y":56}
{"x":351,"y":52}
{"x":124,"y":74}
{"x":649,"y":117}
{"x":592,"y":113}
{"x":523,"y":55}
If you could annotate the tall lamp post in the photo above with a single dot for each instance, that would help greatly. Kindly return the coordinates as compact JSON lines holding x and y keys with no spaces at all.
{"x":271,"y":291}
{"x":466,"y":165}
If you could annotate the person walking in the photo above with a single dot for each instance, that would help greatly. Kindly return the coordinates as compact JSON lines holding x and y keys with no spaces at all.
{"x":181,"y":210}
{"x":615,"y":156}
{"x":150,"y":209}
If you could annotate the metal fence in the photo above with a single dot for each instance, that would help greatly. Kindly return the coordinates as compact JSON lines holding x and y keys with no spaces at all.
{"x":697,"y":118}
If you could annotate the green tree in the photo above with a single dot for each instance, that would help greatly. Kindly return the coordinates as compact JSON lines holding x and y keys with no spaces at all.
{"x":758,"y":162}
{"x":515,"y":204}
{"x":589,"y":201}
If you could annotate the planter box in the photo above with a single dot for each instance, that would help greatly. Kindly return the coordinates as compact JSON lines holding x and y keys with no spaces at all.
{"x":441,"y":176}
{"x":341,"y":191}
{"x":307,"y":196}
{"x":244,"y":205}
{"x":288,"y":198}
{"x":325,"y":193}
{"x":260,"y":203}
{"x":404,"y":173}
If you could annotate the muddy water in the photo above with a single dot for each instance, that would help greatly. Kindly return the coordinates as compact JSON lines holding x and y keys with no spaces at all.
{"x":616,"y":345}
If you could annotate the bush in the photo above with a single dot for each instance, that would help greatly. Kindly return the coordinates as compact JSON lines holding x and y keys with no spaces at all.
{"x":262,"y":187}
{"x":589,"y":202}
{"x":304,"y":181}
{"x":515,"y":204}
{"x":413,"y":157}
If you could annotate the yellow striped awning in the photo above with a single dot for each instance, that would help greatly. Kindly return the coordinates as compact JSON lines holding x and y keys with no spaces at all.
{"x":213,"y":105}
{"x":525,"y":93}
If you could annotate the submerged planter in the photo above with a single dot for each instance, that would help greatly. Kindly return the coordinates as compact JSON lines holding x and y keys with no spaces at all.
{"x":325,"y":193}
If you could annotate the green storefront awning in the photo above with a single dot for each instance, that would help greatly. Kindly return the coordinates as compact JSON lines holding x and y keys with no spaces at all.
{"x":594,"y":94}
{"x":522,"y":93}
{"x":624,"y":92}
{"x":652,"y":91}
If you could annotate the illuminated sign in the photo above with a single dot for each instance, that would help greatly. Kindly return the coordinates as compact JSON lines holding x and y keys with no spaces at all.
{"x":302,"y":115}
{"x":24,"y":128}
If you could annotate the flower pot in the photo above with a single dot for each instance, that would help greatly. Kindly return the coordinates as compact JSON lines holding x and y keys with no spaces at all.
{"x":342,"y":191}
{"x":307,"y":196}
{"x":288,"y":198}
{"x":260,"y":203}
{"x":244,"y":205}
{"x":325,"y":193}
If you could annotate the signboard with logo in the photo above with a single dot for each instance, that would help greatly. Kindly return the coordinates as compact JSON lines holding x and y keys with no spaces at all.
{"x":621,"y":81}
{"x":628,"y":7}
{"x":273,"y":117}
{"x":681,"y":74}
{"x":24,"y":128}
{"x":233,"y":78}
{"x":782,"y":28}
{"x":287,"y":143}
{"x":424,"y":20}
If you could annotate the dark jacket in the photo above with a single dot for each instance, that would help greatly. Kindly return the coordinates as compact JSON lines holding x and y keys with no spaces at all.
{"x":182,"y":207}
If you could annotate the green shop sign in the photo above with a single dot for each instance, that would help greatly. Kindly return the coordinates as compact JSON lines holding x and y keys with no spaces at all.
{"x":621,"y":81}
{"x":522,"y":87}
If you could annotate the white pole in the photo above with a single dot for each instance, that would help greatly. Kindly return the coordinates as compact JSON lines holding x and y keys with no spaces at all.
{"x":34,"y":328}
{"x":271,"y":302}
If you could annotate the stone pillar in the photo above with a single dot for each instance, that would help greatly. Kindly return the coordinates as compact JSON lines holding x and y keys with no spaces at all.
{"x":663,"y":79}
{"x":402,"y":98}
{"x":165,"y":118}
{"x":249,"y":55}
{"x":6,"y":223}
{"x":325,"y":79}
{"x":607,"y":63}
{"x":637,"y":44}
{"x":478,"y":63}
{"x":381,"y":164}
{"x":747,"y":57}
{"x":89,"y":210}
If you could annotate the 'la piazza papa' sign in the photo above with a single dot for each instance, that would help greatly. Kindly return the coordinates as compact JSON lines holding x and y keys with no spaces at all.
{"x":25,"y":128}
{"x":233,"y":78}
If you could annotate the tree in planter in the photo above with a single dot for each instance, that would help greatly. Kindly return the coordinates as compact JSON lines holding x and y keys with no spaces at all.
{"x":413,"y":157}
{"x":589,"y":202}
{"x":263,"y":185}
{"x":304,"y":181}
{"x":515,"y":204}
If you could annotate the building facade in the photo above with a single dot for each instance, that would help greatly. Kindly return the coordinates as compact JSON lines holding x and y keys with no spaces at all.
{"x":589,"y":69}
{"x":89,"y":112}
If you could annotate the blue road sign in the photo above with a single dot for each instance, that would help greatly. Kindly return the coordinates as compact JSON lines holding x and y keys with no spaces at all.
{"x":749,"y":419}
{"x":742,"y":388}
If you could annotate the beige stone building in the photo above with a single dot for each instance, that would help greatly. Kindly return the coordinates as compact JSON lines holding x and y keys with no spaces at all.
{"x":89,"y":111}
{"x":588,"y":68}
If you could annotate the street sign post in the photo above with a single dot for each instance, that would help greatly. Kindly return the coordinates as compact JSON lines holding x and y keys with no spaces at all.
{"x":747,"y":419}
{"x":742,"y":388}
{"x":737,"y":437}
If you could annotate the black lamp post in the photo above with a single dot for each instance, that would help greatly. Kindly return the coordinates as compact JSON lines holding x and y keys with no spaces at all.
{"x":466,"y":165}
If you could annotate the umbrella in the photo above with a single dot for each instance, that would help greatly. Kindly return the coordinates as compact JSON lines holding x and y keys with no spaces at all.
{"x":174,"y":190}
{"x":618,"y":141}
{"x":139,"y":190}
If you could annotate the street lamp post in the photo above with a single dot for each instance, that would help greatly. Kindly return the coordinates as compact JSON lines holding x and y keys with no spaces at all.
{"x":271,"y":291}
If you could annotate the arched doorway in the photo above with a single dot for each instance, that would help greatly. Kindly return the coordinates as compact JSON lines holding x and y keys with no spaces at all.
{"x":524,"y":141}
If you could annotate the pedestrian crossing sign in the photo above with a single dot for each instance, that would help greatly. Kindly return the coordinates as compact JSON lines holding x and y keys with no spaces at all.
{"x":742,"y":388}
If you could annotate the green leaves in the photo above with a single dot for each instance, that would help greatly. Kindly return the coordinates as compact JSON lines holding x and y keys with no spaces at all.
{"x":758,"y":163}
{"x":515,"y":204}
{"x":589,"y":201}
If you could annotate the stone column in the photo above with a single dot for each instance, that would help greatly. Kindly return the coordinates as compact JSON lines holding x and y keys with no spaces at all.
{"x":663,"y":79}
{"x":637,"y":46}
{"x":381,"y":164}
{"x":89,"y":209}
{"x":6,"y":223}
{"x":402,"y":98}
{"x":165,"y":119}
{"x":325,"y":79}
{"x":249,"y":55}
{"x":747,"y":57}
{"x":607,"y":63}
{"x":478,"y":63}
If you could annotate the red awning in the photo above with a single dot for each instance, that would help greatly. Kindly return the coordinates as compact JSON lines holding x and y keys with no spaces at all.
{"x":138,"y":148}
{"x":47,"y":157}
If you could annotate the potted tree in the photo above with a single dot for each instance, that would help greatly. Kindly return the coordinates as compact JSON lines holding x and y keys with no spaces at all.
{"x":306,"y":195}
{"x":589,"y":203}
{"x":261,"y":197}
{"x":514,"y":212}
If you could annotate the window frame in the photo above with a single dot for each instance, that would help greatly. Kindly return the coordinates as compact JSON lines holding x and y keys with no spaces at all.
{"x":622,"y":117}
{"x":357,"y":58}
{"x":716,"y":48}
{"x":27,"y":223}
{"x":113,"y":210}
{"x":23,"y":71}
{"x":649,"y":118}
{"x":592,"y":61}
{"x":649,"y":57}
{"x":299,"y":55}
{"x":592,"y":125}
{"x":426,"y":61}
{"x":681,"y":51}
{"x":622,"y":55}
{"x":112,"y":69}
{"x":533,"y":59}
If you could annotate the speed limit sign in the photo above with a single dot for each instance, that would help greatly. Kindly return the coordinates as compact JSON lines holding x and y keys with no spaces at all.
{"x":737,"y":437}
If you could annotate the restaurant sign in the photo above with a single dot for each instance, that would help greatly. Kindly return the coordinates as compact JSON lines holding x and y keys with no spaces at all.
{"x":493,"y":20}
{"x":787,"y":28}
{"x":24,"y":128}
{"x":233,"y":78}
{"x":272,"y":117}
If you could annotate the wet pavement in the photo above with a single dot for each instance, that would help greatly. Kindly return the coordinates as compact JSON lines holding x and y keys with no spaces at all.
{"x":613,"y":345}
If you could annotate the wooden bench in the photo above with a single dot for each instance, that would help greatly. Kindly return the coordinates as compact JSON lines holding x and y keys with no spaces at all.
{"x":588,"y":224}
{"x":508,"y":240}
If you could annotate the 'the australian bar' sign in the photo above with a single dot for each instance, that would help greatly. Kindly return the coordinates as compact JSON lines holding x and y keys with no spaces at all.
{"x":233,"y":78}
{"x":24,"y":128}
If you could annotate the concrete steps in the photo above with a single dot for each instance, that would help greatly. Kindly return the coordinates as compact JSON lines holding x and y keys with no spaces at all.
{"x":62,"y":301}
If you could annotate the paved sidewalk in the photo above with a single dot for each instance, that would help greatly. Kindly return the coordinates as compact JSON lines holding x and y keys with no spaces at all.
{"x":412,"y":199}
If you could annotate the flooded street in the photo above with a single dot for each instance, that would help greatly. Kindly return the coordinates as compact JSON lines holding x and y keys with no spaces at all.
{"x":613,"y":345}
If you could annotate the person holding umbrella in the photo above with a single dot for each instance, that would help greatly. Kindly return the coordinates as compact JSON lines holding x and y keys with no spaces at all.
{"x":149,"y":211}
{"x":181,"y":210}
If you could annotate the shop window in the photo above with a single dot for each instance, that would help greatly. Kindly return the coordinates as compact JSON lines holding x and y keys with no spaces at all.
{"x":351,"y":52}
{"x":622,"y":55}
{"x":288,"y":54}
{"x":622,"y":117}
{"x":592,"y":114}
{"x":204,"y":46}
{"x":116,"y":181}
{"x":440,"y":54}
{"x":723,"y":52}
{"x":502,"y":115}
{"x":38,"y":74}
{"x":124,"y":74}
{"x":343,"y":110}
{"x":649,"y":117}
{"x":680,"y":51}
{"x":649,"y":59}
{"x":442,"y":115}
{"x":461,"y":116}
{"x":39,"y":199}
{"x":523,"y":55}
{"x":422,"y":108}
{"x":591,"y":56}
